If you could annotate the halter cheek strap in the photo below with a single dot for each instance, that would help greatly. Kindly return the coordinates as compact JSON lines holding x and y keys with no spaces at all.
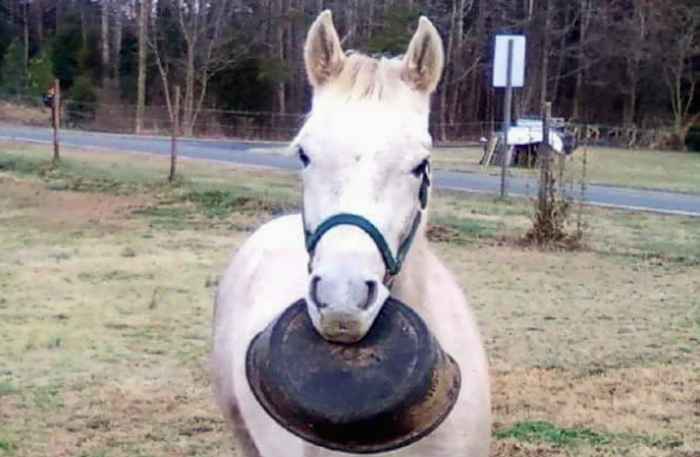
{"x":393,"y":264}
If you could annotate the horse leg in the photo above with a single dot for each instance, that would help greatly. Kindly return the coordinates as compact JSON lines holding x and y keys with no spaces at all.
{"x":242,"y":440}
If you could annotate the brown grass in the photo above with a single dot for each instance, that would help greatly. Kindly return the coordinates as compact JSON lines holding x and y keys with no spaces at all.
{"x":25,"y":115}
{"x":105,"y":313}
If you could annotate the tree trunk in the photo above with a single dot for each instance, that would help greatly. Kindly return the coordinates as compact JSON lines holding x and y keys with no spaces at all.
{"x":351,"y":24}
{"x":458,"y":64}
{"x":630,"y":105}
{"x":39,"y":18}
{"x":117,"y":40}
{"x":188,"y":114}
{"x":59,"y":18}
{"x":83,"y":26}
{"x":25,"y":12}
{"x":279,"y":42}
{"x":105,"y":40}
{"x":141,"y":82}
{"x":175,"y":127}
{"x":448,"y":73}
{"x":546,"y":44}
{"x":370,"y":20}
{"x":561,"y":53}
{"x":585,"y":15}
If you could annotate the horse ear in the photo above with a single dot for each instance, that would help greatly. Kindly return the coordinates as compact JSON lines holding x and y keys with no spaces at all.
{"x":323,"y":54}
{"x":425,"y":58}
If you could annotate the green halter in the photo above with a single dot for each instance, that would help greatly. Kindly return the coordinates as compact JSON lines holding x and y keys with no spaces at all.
{"x":393,"y":264}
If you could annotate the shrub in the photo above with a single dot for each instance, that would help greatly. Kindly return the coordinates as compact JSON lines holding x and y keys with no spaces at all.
{"x":692,"y":141}
{"x":41,"y":74}
{"x":13,"y":76}
{"x":83,"y":98}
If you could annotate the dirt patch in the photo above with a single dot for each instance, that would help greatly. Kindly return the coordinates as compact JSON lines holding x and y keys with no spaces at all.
{"x":442,"y":234}
{"x":67,"y":209}
{"x":26,"y":115}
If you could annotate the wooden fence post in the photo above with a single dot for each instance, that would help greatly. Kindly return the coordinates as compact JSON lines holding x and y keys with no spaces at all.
{"x":56,"y":120}
{"x":175,"y":134}
{"x":545,"y":157}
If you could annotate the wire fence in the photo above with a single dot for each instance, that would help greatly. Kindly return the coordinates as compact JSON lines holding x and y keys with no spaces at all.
{"x":272,"y":126}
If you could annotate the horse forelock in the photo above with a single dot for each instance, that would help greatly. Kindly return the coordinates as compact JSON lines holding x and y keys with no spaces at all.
{"x":369,"y":79}
{"x":366,"y":78}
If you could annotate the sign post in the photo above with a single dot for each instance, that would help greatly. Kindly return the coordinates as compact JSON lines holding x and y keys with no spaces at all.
{"x":508,"y":72}
{"x":507,"y":110}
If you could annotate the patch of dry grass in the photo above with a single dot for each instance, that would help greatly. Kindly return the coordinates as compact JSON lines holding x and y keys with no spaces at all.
{"x":26,"y":115}
{"x":647,"y":169}
{"x":105,"y":308}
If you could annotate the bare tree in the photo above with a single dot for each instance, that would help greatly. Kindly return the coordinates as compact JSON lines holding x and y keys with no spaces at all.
{"x":39,"y":10}
{"x":207,"y":32}
{"x":25,"y":26}
{"x":104,"y":22}
{"x":585,"y":14}
{"x":678,"y":35}
{"x":144,"y":13}
{"x":279,"y":45}
{"x":118,"y":13}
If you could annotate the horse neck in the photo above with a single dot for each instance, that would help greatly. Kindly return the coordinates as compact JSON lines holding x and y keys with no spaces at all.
{"x":410,"y":284}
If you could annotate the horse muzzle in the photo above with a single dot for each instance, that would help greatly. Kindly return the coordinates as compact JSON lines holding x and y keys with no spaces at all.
{"x":343,"y":305}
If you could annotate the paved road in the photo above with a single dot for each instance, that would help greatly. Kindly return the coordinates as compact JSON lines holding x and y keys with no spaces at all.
{"x":246,"y":154}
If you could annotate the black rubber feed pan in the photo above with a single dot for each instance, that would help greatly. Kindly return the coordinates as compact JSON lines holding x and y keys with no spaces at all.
{"x":387,"y":391}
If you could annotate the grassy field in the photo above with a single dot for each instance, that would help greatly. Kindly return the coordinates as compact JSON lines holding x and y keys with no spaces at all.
{"x":648,"y":169}
{"x":106,"y":284}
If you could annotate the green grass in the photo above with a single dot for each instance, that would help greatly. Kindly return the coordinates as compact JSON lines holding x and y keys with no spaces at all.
{"x":676,"y":171}
{"x":646,"y":169}
{"x":545,"y":432}
{"x":469,"y":228}
{"x":79,"y":175}
{"x":620,"y":234}
{"x":22,"y":164}
{"x":7,"y":388}
{"x":221,"y":203}
{"x":7,"y":447}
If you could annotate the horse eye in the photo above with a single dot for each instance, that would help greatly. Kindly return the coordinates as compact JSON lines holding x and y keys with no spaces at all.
{"x":421,"y":169}
{"x":305,"y":160}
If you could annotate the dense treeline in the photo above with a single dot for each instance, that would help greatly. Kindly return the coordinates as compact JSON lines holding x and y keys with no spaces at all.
{"x":618,"y":62}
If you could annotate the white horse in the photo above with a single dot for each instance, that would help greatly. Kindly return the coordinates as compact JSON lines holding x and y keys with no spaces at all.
{"x":365,"y":149}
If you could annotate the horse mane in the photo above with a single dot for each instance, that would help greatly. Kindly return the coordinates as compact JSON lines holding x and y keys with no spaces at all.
{"x":368,"y":78}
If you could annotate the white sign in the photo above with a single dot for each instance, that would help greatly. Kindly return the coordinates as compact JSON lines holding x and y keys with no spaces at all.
{"x":500,"y":61}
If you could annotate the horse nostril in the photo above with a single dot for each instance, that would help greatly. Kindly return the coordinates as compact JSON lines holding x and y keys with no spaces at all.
{"x":313,"y":289}
{"x":371,"y":294}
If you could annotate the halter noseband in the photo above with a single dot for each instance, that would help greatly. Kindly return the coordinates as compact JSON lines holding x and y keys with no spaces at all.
{"x":393,"y":264}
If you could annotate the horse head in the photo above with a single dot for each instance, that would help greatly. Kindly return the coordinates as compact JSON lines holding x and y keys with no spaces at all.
{"x":365,"y":152}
